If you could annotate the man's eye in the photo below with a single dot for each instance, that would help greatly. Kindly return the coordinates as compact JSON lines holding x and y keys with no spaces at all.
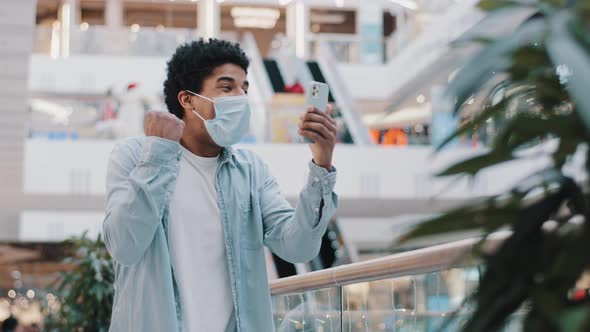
{"x":227,"y":88}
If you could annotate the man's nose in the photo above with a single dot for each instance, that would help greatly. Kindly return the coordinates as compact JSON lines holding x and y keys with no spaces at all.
{"x":241,"y":91}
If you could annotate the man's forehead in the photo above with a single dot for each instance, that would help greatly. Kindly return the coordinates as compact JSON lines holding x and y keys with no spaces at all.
{"x":231,"y":71}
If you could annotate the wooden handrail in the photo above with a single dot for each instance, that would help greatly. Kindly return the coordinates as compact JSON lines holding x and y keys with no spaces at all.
{"x":431,"y":259}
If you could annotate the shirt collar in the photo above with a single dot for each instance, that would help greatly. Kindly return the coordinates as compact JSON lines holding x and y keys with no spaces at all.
{"x":226,"y":154}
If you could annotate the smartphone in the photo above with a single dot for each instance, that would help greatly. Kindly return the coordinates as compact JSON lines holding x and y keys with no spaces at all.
{"x":317,"y":96}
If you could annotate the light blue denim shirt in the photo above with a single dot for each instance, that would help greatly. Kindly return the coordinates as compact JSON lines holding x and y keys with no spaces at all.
{"x":140,"y":181}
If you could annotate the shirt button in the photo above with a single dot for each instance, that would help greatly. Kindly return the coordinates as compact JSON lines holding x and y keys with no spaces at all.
{"x":325,"y":181}
{"x":316,"y":179}
{"x":317,"y":209}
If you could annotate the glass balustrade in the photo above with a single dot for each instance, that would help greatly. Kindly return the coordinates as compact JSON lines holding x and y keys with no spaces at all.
{"x":419,"y":303}
{"x":131,"y":41}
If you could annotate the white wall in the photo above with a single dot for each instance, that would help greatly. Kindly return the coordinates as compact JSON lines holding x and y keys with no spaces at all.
{"x":47,"y":226}
{"x":376,"y":172}
{"x":394,"y":175}
{"x":95,"y":74}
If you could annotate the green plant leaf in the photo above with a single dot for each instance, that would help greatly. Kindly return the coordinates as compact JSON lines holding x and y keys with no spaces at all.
{"x":476,"y":164}
{"x":86,"y":292}
{"x":566,"y":148}
{"x":460,"y":42}
{"x":526,"y":128}
{"x":486,"y":217}
{"x":521,"y":258}
{"x":489,"y":5}
{"x":472,"y":125}
{"x":565,"y":50}
{"x":528,"y":59}
{"x":573,"y":319}
{"x":494,"y":57}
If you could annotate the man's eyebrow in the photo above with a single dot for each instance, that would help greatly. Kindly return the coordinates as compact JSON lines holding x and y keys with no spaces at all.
{"x":226,"y":78}
{"x":232,"y":80}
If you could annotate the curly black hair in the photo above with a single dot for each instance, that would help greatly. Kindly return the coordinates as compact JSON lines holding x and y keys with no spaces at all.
{"x":193,"y":62}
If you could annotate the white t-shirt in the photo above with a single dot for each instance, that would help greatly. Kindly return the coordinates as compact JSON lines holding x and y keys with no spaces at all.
{"x":197,"y":247}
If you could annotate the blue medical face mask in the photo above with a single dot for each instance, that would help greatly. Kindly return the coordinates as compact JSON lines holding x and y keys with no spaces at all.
{"x":232,"y":119}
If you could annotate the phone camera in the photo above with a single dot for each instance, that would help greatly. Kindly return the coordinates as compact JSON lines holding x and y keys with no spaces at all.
{"x":315,"y":90}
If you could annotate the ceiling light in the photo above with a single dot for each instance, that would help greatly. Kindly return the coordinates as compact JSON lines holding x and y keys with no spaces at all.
{"x":421,"y":99}
{"x":255,"y":12}
{"x":251,"y":17}
{"x":252,"y":22}
{"x":410,"y":4}
{"x":331,"y":18}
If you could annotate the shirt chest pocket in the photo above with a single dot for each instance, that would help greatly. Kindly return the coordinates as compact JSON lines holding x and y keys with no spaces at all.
{"x":250,"y":224}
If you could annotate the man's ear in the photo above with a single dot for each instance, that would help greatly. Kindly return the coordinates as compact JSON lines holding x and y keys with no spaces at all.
{"x":184,"y":98}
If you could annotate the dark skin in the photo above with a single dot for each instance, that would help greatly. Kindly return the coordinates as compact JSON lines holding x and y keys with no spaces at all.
{"x":225,"y":80}
{"x":231,"y":80}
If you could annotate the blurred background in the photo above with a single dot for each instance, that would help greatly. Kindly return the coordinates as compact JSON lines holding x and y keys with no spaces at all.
{"x":78,"y":75}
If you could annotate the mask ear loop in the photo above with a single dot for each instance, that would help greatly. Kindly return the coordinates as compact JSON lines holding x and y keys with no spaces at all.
{"x":199,"y":115}
{"x":198,"y":95}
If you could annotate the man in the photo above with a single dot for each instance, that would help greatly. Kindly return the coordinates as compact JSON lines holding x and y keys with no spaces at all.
{"x":188,"y":215}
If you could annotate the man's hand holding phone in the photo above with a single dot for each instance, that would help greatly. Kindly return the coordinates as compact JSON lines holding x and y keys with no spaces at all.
{"x":319,"y":127}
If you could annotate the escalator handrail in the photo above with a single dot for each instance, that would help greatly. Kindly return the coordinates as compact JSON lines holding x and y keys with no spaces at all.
{"x":260,"y":91}
{"x":257,"y":66}
{"x":338,"y":88}
{"x":430,"y":259}
{"x":437,"y":35}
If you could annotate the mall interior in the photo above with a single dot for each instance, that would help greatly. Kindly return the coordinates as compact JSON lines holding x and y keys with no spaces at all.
{"x":78,"y":76}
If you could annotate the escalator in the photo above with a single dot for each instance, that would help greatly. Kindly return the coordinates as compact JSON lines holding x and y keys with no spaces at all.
{"x":275,"y":76}
{"x":335,"y":250}
{"x":316,"y":73}
{"x":352,"y":131}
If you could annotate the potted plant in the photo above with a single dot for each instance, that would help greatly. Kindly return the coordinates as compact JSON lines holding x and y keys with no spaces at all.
{"x":84,"y":294}
{"x":543,"y":102}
